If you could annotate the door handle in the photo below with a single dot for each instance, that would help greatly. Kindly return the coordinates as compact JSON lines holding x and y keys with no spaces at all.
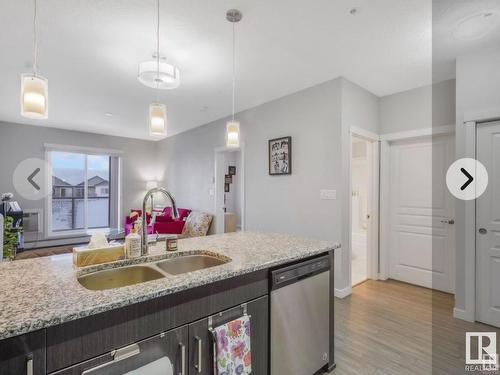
{"x":118,"y":355}
{"x":483,"y":230}
{"x":197,"y":366}
{"x":448,"y":221}
{"x":29,"y":364}
{"x":183,"y":359}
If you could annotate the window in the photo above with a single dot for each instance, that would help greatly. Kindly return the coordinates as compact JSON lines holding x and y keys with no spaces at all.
{"x":82,"y":192}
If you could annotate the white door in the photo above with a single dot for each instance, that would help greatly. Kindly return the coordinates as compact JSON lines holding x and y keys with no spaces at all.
{"x":488,"y":227}
{"x":421,"y":236}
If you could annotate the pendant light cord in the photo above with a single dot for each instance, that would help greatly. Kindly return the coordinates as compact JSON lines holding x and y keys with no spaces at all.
{"x":158,"y":50}
{"x":234,"y":64}
{"x":35,"y":41}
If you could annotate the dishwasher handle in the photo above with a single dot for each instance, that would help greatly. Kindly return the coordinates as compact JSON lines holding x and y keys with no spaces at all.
{"x":288,"y":275}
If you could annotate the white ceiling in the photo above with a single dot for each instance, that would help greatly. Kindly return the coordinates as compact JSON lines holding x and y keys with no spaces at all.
{"x":90,"y":49}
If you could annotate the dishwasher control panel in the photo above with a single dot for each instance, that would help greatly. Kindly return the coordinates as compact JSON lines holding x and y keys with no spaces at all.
{"x":298,"y":271}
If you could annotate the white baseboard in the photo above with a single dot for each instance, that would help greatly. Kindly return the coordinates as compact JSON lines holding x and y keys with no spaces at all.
{"x":461,"y":314}
{"x":342,"y":293}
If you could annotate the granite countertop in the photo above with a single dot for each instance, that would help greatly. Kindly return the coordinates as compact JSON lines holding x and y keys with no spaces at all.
{"x":42,"y":292}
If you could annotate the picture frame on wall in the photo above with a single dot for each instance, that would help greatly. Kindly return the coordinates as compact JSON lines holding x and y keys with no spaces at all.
{"x":228,"y":179}
{"x":226,"y":188}
{"x":231,"y":170}
{"x":280,"y":156}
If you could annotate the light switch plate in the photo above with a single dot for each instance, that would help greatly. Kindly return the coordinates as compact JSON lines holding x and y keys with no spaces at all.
{"x":326,"y":194}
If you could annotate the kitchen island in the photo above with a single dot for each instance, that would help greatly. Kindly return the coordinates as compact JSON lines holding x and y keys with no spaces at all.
{"x":49,"y":321}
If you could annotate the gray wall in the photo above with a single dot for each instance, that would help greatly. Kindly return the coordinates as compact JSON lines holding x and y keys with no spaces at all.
{"x":420,"y":108}
{"x":287,"y":204}
{"x":360,"y":108}
{"x":19,"y":142}
{"x":317,"y":119}
{"x":478,"y":80}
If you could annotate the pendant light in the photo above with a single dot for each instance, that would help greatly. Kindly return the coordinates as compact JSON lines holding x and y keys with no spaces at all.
{"x":233,"y":127}
{"x":158,"y":111}
{"x":34,"y":87}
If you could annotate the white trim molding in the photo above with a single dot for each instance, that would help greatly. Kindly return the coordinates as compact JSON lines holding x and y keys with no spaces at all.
{"x":342,"y":293}
{"x":83,"y":150}
{"x":462,"y":314}
{"x":417,"y":133}
{"x":364,"y":133}
{"x":484,"y":115}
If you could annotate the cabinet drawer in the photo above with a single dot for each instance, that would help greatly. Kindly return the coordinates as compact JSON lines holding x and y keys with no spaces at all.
{"x":164,"y":352}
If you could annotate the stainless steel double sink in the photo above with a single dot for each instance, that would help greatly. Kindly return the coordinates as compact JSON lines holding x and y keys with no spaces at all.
{"x":140,"y":273}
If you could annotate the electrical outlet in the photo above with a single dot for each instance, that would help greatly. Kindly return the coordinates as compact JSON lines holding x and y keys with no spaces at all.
{"x":326,"y":194}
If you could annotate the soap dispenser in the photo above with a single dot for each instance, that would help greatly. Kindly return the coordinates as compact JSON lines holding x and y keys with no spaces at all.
{"x":133,"y":244}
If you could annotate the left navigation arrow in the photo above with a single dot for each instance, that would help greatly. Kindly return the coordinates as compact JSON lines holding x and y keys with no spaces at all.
{"x":31,"y":176}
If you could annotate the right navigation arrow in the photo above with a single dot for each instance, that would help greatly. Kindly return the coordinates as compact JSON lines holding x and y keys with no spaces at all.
{"x":469,"y":179}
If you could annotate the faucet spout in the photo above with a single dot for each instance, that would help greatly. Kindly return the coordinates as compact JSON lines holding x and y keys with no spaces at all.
{"x":175,"y":215}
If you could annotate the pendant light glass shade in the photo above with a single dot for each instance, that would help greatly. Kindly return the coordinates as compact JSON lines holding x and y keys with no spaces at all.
{"x":233,"y":134}
{"x":157,"y":120}
{"x":159,"y":75}
{"x":34,"y":96}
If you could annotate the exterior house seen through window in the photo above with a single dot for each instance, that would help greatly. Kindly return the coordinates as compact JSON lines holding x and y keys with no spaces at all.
{"x":80,"y":191}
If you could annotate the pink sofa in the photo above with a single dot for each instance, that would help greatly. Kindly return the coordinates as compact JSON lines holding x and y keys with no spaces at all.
{"x":164,"y":222}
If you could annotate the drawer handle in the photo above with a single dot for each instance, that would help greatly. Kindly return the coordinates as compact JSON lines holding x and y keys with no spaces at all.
{"x":197,"y":366}
{"x":29,"y":364}
{"x":118,"y":355}
{"x":183,"y":359}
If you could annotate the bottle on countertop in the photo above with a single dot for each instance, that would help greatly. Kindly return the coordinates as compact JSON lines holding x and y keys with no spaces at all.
{"x":133,"y":244}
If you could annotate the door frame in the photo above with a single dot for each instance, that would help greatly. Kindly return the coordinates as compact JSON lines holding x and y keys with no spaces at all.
{"x":373,"y":205}
{"x":471,"y":121}
{"x":218,"y":185}
{"x":385,"y":161}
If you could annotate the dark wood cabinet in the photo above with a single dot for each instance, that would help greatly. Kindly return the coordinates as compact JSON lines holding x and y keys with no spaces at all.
{"x":23,"y":354}
{"x":82,"y":339}
{"x":163,"y":352}
{"x":201,"y":348}
{"x":174,"y":326}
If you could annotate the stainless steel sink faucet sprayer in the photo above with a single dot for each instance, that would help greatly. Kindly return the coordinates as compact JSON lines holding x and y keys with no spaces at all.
{"x":175,"y":215}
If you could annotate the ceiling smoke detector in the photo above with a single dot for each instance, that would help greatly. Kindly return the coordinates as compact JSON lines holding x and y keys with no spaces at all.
{"x":159,"y":74}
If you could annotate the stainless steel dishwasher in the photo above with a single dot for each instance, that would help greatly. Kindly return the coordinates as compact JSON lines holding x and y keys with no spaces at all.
{"x":300,"y":317}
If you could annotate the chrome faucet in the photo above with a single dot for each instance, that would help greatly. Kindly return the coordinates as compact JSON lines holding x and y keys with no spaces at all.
{"x":175,"y":215}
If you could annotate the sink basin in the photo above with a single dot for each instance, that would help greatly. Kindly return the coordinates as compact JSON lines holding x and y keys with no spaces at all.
{"x":189,"y":263}
{"x":118,"y":277}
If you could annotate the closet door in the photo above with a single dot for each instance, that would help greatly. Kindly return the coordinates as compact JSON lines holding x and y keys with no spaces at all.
{"x":201,"y":360}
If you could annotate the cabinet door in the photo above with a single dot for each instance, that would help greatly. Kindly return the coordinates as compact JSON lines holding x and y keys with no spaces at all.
{"x":201,"y":342}
{"x":165,"y":353}
{"x":23,"y":354}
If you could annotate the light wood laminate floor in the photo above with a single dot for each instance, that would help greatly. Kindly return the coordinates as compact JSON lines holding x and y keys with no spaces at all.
{"x":393,"y":328}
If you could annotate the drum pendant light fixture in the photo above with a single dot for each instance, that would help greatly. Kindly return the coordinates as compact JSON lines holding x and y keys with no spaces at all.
{"x":158,"y":111}
{"x":233,"y":127}
{"x":34,"y":87}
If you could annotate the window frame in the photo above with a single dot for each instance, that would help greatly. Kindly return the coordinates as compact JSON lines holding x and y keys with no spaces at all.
{"x":114,"y":191}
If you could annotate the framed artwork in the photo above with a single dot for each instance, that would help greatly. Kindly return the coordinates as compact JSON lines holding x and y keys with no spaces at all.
{"x":228,"y":179}
{"x":231,"y":170}
{"x":280,"y":156}
{"x":226,"y":188}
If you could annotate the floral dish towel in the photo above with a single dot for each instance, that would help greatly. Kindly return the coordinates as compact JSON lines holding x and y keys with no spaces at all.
{"x":232,"y":347}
